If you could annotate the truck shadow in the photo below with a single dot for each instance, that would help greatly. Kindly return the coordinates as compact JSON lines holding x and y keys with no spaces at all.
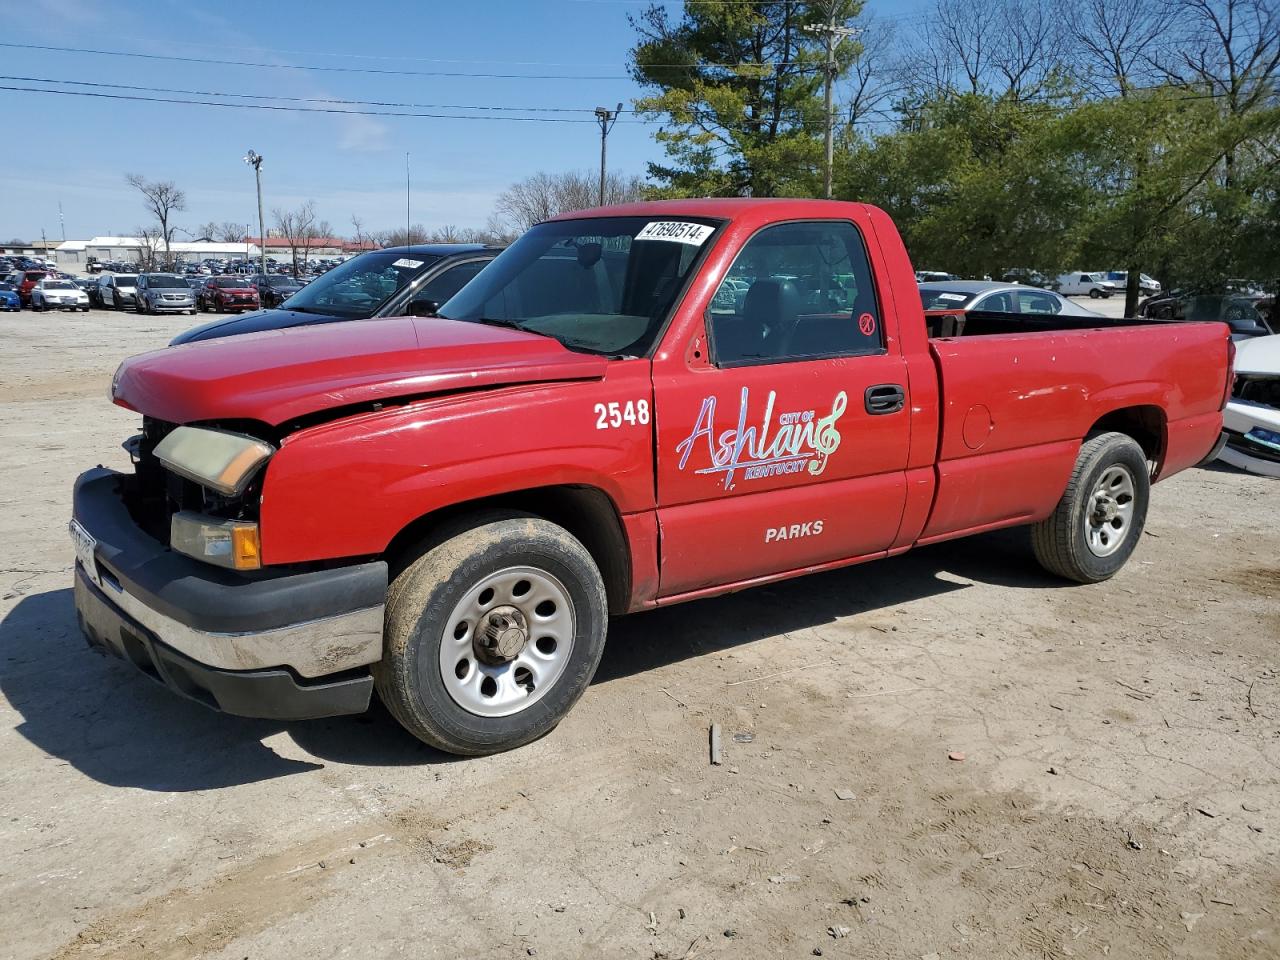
{"x":114,"y":725}
{"x":669,"y":634}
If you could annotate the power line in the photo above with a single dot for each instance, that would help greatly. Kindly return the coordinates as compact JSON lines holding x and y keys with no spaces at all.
{"x":295,"y":66}
{"x":272,"y":96}
{"x":410,"y":73}
{"x":493,"y":113}
{"x":277,"y":107}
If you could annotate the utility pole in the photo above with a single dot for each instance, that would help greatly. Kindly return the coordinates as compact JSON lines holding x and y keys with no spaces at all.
{"x":832,"y":34}
{"x":606,"y":118}
{"x":255,"y":160}
{"x":62,"y":223}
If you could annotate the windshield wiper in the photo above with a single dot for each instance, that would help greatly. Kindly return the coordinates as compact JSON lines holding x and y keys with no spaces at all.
{"x":495,"y":322}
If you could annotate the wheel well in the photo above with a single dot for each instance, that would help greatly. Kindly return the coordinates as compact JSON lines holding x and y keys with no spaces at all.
{"x":1146,"y":424}
{"x":585,"y":512}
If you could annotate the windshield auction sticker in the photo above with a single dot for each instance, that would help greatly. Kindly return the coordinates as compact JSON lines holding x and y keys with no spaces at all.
{"x":691,"y":233}
{"x":407,"y":263}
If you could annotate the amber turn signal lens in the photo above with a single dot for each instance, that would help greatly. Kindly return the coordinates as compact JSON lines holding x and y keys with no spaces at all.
{"x":245,"y":550}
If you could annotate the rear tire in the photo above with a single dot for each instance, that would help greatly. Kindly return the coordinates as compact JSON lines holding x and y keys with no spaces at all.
{"x":1099,"y":520}
{"x":441,"y":608}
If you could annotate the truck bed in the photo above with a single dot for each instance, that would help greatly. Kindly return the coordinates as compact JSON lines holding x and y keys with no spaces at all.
{"x":1019,"y":396}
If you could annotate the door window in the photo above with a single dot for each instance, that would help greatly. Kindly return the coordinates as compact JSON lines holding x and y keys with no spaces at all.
{"x":796,"y":291}
{"x":1043,"y":303}
{"x":996,"y":303}
{"x":441,"y":288}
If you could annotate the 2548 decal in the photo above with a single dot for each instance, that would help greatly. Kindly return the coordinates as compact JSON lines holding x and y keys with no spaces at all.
{"x":616,"y":414}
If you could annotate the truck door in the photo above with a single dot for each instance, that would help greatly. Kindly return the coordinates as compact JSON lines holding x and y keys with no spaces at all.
{"x":782,"y":432}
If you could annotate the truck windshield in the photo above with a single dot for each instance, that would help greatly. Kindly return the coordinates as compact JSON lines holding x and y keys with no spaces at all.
{"x":355,"y":290}
{"x":600,"y":285}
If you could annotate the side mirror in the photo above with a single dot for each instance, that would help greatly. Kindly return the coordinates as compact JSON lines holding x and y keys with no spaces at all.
{"x":423,"y":308}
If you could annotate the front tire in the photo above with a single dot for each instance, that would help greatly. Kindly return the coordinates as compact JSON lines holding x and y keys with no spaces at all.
{"x":1099,"y":520}
{"x":492,"y":634}
{"x":1094,"y":293}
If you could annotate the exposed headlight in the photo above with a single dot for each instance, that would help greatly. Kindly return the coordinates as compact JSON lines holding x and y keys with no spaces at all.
{"x":225,"y":543}
{"x":217,"y":459}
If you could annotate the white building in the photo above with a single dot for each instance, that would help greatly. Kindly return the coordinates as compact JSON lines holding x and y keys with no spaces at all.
{"x":73,"y":255}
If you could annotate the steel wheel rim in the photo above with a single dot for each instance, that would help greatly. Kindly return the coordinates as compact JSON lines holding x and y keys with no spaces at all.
{"x":1109,"y":512}
{"x":472,"y":675}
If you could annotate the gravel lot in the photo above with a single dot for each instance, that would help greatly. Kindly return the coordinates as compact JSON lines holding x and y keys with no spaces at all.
{"x":1118,"y":794}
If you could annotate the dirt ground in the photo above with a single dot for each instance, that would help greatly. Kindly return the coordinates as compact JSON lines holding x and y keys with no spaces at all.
{"x":1118,"y":793}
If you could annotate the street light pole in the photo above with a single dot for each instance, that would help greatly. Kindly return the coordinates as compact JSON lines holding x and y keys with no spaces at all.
{"x":606,"y":118}
{"x":255,"y":160}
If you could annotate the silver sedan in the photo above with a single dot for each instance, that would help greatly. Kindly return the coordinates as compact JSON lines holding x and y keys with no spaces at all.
{"x":989,"y":295}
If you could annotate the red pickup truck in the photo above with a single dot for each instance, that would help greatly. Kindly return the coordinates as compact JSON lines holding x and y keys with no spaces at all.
{"x":630,"y":407}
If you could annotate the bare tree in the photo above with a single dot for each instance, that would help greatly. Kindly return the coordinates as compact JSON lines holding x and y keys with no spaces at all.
{"x":874,"y":80}
{"x":359,"y":236}
{"x":400,"y":237}
{"x":1114,"y":41}
{"x":1230,"y":51}
{"x":1030,"y":46}
{"x":448,"y":233}
{"x":312,"y":236}
{"x":162,"y":199}
{"x":207,"y":231}
{"x":497,"y":232}
{"x":544,"y":195}
{"x":296,"y":227}
{"x":229,"y":232}
{"x":1006,"y":48}
{"x":148,"y":246}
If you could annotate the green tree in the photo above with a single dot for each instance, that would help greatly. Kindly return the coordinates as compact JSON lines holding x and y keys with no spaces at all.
{"x":1152,"y":160}
{"x":977,"y":184}
{"x":739,"y":86}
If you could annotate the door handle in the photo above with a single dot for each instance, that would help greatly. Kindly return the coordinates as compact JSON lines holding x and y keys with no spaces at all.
{"x":884,"y":398}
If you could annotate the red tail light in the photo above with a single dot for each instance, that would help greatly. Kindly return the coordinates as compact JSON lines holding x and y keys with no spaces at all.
{"x":1231,"y":373}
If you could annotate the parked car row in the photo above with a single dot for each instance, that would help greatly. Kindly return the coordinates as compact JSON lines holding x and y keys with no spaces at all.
{"x":1078,"y":283}
{"x":382,"y":283}
{"x":1247,"y":314}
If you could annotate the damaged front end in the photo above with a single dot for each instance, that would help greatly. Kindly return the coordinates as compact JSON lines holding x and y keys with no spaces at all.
{"x":198,"y":490}
{"x":1251,"y":424}
{"x":170,"y":577}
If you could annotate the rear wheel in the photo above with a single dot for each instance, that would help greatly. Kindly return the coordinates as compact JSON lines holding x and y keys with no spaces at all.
{"x":492,"y":634}
{"x":1096,"y":525}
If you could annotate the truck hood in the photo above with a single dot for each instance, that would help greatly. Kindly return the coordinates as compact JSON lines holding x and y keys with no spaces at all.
{"x":277,"y":376}
{"x":1259,"y":355}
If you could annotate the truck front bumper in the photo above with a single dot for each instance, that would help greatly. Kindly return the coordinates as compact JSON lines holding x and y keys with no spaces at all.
{"x":285,"y":646}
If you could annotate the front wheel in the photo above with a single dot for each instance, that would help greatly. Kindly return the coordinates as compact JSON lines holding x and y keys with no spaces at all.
{"x":1094,"y":293}
{"x":492,"y":634}
{"x":1096,"y":525}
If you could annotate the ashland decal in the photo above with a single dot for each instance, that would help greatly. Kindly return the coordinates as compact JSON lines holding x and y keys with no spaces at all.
{"x":787,"y":443}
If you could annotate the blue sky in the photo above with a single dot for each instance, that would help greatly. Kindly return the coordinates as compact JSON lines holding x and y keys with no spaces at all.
{"x":347,"y":164}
